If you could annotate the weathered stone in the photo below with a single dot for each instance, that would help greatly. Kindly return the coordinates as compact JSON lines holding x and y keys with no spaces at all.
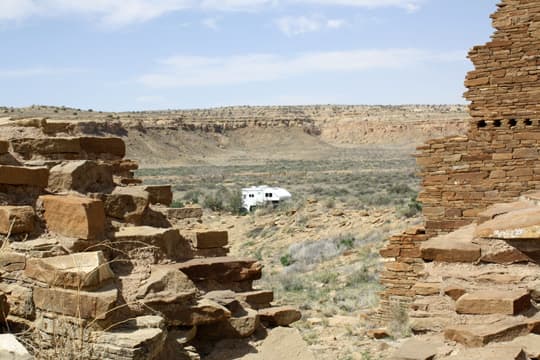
{"x":426,"y":289}
{"x":529,"y":343}
{"x":257,"y":299}
{"x":75,"y":271}
{"x":12,"y":349}
{"x":496,"y":352}
{"x":28,"y":176}
{"x":136,"y":344}
{"x":159,"y":194}
{"x":83,"y":176}
{"x":208,"y":239}
{"x":188,"y":212}
{"x":415,"y":349}
{"x":284,"y":343}
{"x":168,"y":241}
{"x":29,"y":147}
{"x":480,"y":335}
{"x":12,"y":261}
{"x":16,"y":219}
{"x":167,"y":285}
{"x":176,"y":342}
{"x":494,"y":302}
{"x":500,"y":252}
{"x":224,"y":269}
{"x":203,"y":312}
{"x":455,"y":292}
{"x":76,"y":303}
{"x":454,"y":247}
{"x":500,"y":209}
{"x":128,"y":204}
{"x":519,"y":224}
{"x":104,"y":147}
{"x":74,"y":216}
{"x":19,"y":300}
{"x":242,"y":323}
{"x":280,"y":316}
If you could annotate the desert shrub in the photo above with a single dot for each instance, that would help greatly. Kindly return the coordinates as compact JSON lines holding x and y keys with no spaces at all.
{"x":412,"y":208}
{"x":177,"y":204}
{"x":213,"y":201}
{"x":292,"y":283}
{"x":234,"y":202}
{"x":192,"y":196}
{"x":286,"y":260}
{"x":330,"y":203}
{"x":360,"y":276}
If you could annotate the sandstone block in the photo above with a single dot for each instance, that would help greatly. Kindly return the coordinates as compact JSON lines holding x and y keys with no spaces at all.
{"x":28,"y":147}
{"x":454,"y":292}
{"x":203,"y":312}
{"x":76,"y":303}
{"x":128,"y":343}
{"x":500,"y":209}
{"x":494,"y":302}
{"x":107,"y":147}
{"x":127,"y":203}
{"x":82,"y":175}
{"x":188,"y":212}
{"x":454,"y":247}
{"x":168,"y":241}
{"x":257,"y":299}
{"x":159,"y":194}
{"x":19,"y":300}
{"x":74,"y":216}
{"x":241,"y":324}
{"x":480,"y":335}
{"x":224,"y":269}
{"x":280,"y":316}
{"x":16,"y":219}
{"x":515,"y":225}
{"x":426,"y":289}
{"x":12,"y":261}
{"x":75,"y":271}
{"x":167,"y":285}
{"x":530,"y":345}
{"x":495,"y":352}
{"x":209,"y":239}
{"x":415,"y":349}
{"x":28,"y":176}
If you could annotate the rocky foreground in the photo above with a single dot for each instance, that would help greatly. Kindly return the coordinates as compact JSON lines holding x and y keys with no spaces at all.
{"x":95,"y":265}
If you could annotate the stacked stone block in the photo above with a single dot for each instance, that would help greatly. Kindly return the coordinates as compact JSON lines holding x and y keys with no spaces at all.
{"x":92,"y":266}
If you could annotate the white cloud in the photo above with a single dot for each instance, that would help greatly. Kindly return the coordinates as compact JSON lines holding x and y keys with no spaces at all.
{"x":123,"y":12}
{"x":38,"y":71}
{"x":187,"y":71}
{"x":296,"y":25}
{"x":211,"y":23}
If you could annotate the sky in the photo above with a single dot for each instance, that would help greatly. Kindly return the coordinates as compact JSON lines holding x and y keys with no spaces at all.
{"x":120,"y":55}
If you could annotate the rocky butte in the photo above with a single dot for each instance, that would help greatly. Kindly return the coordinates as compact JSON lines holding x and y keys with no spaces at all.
{"x":470,"y":278}
{"x":95,"y":265}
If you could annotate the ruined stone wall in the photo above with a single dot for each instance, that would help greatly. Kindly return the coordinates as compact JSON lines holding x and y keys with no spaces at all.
{"x":498,"y":159}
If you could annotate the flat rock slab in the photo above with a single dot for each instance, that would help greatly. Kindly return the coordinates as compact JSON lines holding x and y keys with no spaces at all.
{"x":530,"y":344}
{"x":494,"y":302}
{"x":128,"y":343}
{"x":257,"y":299}
{"x":127,"y":203}
{"x":168,"y":240}
{"x":74,"y":216}
{"x":496,"y":352}
{"x":454,"y":247}
{"x":28,"y":147}
{"x":500,"y":209}
{"x":16,"y":219}
{"x":12,"y":349}
{"x":25,"y":176}
{"x":75,"y":303}
{"x":222,"y":269}
{"x":515,"y":225}
{"x":188,"y":212}
{"x":106,"y":147}
{"x":280,"y":316}
{"x":282,"y":343}
{"x":480,"y":335}
{"x":415,"y":349}
{"x":75,"y":271}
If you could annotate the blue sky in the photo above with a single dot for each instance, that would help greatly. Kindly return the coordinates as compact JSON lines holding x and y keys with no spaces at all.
{"x":156,"y":54}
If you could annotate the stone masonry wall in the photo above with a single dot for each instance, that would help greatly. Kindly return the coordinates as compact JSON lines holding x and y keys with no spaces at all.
{"x":498,"y":159}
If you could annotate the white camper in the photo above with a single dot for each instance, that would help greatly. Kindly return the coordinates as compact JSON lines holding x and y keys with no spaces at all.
{"x":260,"y":195}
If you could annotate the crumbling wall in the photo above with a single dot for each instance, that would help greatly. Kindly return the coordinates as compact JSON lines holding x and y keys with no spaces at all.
{"x":498,"y":159}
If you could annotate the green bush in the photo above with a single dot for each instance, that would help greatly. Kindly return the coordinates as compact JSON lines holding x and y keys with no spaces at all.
{"x":177,"y":204}
{"x":286,"y":260}
{"x":214,"y":201}
{"x":234,"y":202}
